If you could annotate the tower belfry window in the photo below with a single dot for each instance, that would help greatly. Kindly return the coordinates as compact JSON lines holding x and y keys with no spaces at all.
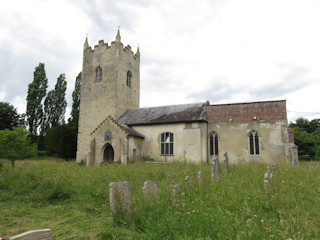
{"x":98,"y":75}
{"x":129,"y":75}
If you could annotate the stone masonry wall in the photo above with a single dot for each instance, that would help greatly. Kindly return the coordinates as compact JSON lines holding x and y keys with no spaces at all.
{"x":111,"y":96}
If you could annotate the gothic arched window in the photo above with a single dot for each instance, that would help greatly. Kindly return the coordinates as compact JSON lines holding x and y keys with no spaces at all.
{"x":129,"y":75}
{"x":213,"y":144}
{"x":166,"y":143}
{"x":254,"y":143}
{"x":98,"y":75}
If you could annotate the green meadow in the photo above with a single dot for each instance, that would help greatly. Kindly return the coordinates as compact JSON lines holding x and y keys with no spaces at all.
{"x":73,"y":201}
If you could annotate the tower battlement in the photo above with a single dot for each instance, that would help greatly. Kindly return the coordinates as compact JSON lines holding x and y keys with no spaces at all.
{"x":102,"y":46}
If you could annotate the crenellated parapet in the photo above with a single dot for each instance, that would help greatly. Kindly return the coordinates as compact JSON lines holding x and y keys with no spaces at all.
{"x":102,"y":46}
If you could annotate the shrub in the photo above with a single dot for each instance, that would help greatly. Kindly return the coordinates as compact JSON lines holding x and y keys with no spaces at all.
{"x":16,"y":145}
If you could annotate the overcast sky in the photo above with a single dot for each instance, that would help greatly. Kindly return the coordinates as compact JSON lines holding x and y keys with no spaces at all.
{"x":224,"y":51}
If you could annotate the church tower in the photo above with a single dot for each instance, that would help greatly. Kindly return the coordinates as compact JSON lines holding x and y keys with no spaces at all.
{"x":110,"y":86}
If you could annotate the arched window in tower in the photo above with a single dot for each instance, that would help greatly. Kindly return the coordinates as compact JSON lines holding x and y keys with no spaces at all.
{"x":254,"y":143}
{"x":129,"y":75}
{"x":213,"y":144}
{"x":98,"y":75}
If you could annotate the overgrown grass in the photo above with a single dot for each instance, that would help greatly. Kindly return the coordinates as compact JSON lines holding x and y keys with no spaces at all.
{"x":74,"y":202}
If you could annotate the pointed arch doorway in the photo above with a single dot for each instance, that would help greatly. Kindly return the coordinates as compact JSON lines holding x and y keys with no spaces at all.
{"x":108,"y":155}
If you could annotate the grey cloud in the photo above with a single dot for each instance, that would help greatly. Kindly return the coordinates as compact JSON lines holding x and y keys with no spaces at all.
{"x":106,"y":15}
{"x":17,"y":67}
{"x":221,"y":91}
{"x":14,"y":74}
{"x":295,"y":79}
{"x":218,"y":91}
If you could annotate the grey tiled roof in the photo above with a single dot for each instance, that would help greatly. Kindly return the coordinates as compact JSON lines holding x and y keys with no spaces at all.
{"x":164,"y":114}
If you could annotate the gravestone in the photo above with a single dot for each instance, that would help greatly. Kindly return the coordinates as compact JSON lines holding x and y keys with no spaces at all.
{"x":150,"y":190}
{"x":200,"y":179}
{"x":213,"y":166}
{"x":269,"y":174}
{"x":176,"y":189}
{"x":274,"y":167}
{"x":215,"y":169}
{"x":42,"y":234}
{"x":226,"y":162}
{"x":294,"y":155}
{"x":120,"y":198}
{"x":266,"y":182}
{"x":188,"y":181}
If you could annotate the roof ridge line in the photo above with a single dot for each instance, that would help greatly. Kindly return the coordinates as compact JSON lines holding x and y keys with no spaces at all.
{"x":183,"y":104}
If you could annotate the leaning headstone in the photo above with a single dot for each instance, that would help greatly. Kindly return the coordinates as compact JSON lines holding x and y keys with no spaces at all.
{"x":176,"y":189}
{"x":120,"y":198}
{"x":150,"y":190}
{"x":188,"y":181}
{"x":226,"y":162}
{"x":200,"y":179}
{"x":42,"y":234}
{"x":266,"y":182}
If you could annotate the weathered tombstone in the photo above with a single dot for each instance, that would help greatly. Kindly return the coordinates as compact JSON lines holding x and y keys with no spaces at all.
{"x":150,"y":190}
{"x":274,"y":167}
{"x":215,"y":169}
{"x":176,"y":189}
{"x":269,"y":174}
{"x":266,"y":182}
{"x":294,"y":155}
{"x":42,"y":234}
{"x":200,"y":179}
{"x":188,"y":181}
{"x":120,"y":198}
{"x":213,"y":166}
{"x":226,"y":162}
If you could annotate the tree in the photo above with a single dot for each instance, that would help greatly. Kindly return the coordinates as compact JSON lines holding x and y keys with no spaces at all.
{"x":55,"y":105}
{"x":306,"y":144}
{"x":307,"y":138}
{"x":62,"y":140}
{"x":36,"y":92}
{"x":9,"y":118}
{"x":76,"y":99}
{"x":15,"y":145}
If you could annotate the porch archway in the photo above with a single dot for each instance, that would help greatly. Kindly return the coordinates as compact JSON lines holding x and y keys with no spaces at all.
{"x":108,"y":154}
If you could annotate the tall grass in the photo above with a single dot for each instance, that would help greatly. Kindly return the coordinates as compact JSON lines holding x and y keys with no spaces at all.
{"x":74,"y":202}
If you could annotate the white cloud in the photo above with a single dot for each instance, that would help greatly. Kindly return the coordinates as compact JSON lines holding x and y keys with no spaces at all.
{"x":221,"y":50}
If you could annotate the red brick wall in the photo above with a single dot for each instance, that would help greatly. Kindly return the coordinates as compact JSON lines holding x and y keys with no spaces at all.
{"x":243,"y":112}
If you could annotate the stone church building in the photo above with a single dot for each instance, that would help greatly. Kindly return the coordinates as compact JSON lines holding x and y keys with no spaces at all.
{"x":112,"y":127}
